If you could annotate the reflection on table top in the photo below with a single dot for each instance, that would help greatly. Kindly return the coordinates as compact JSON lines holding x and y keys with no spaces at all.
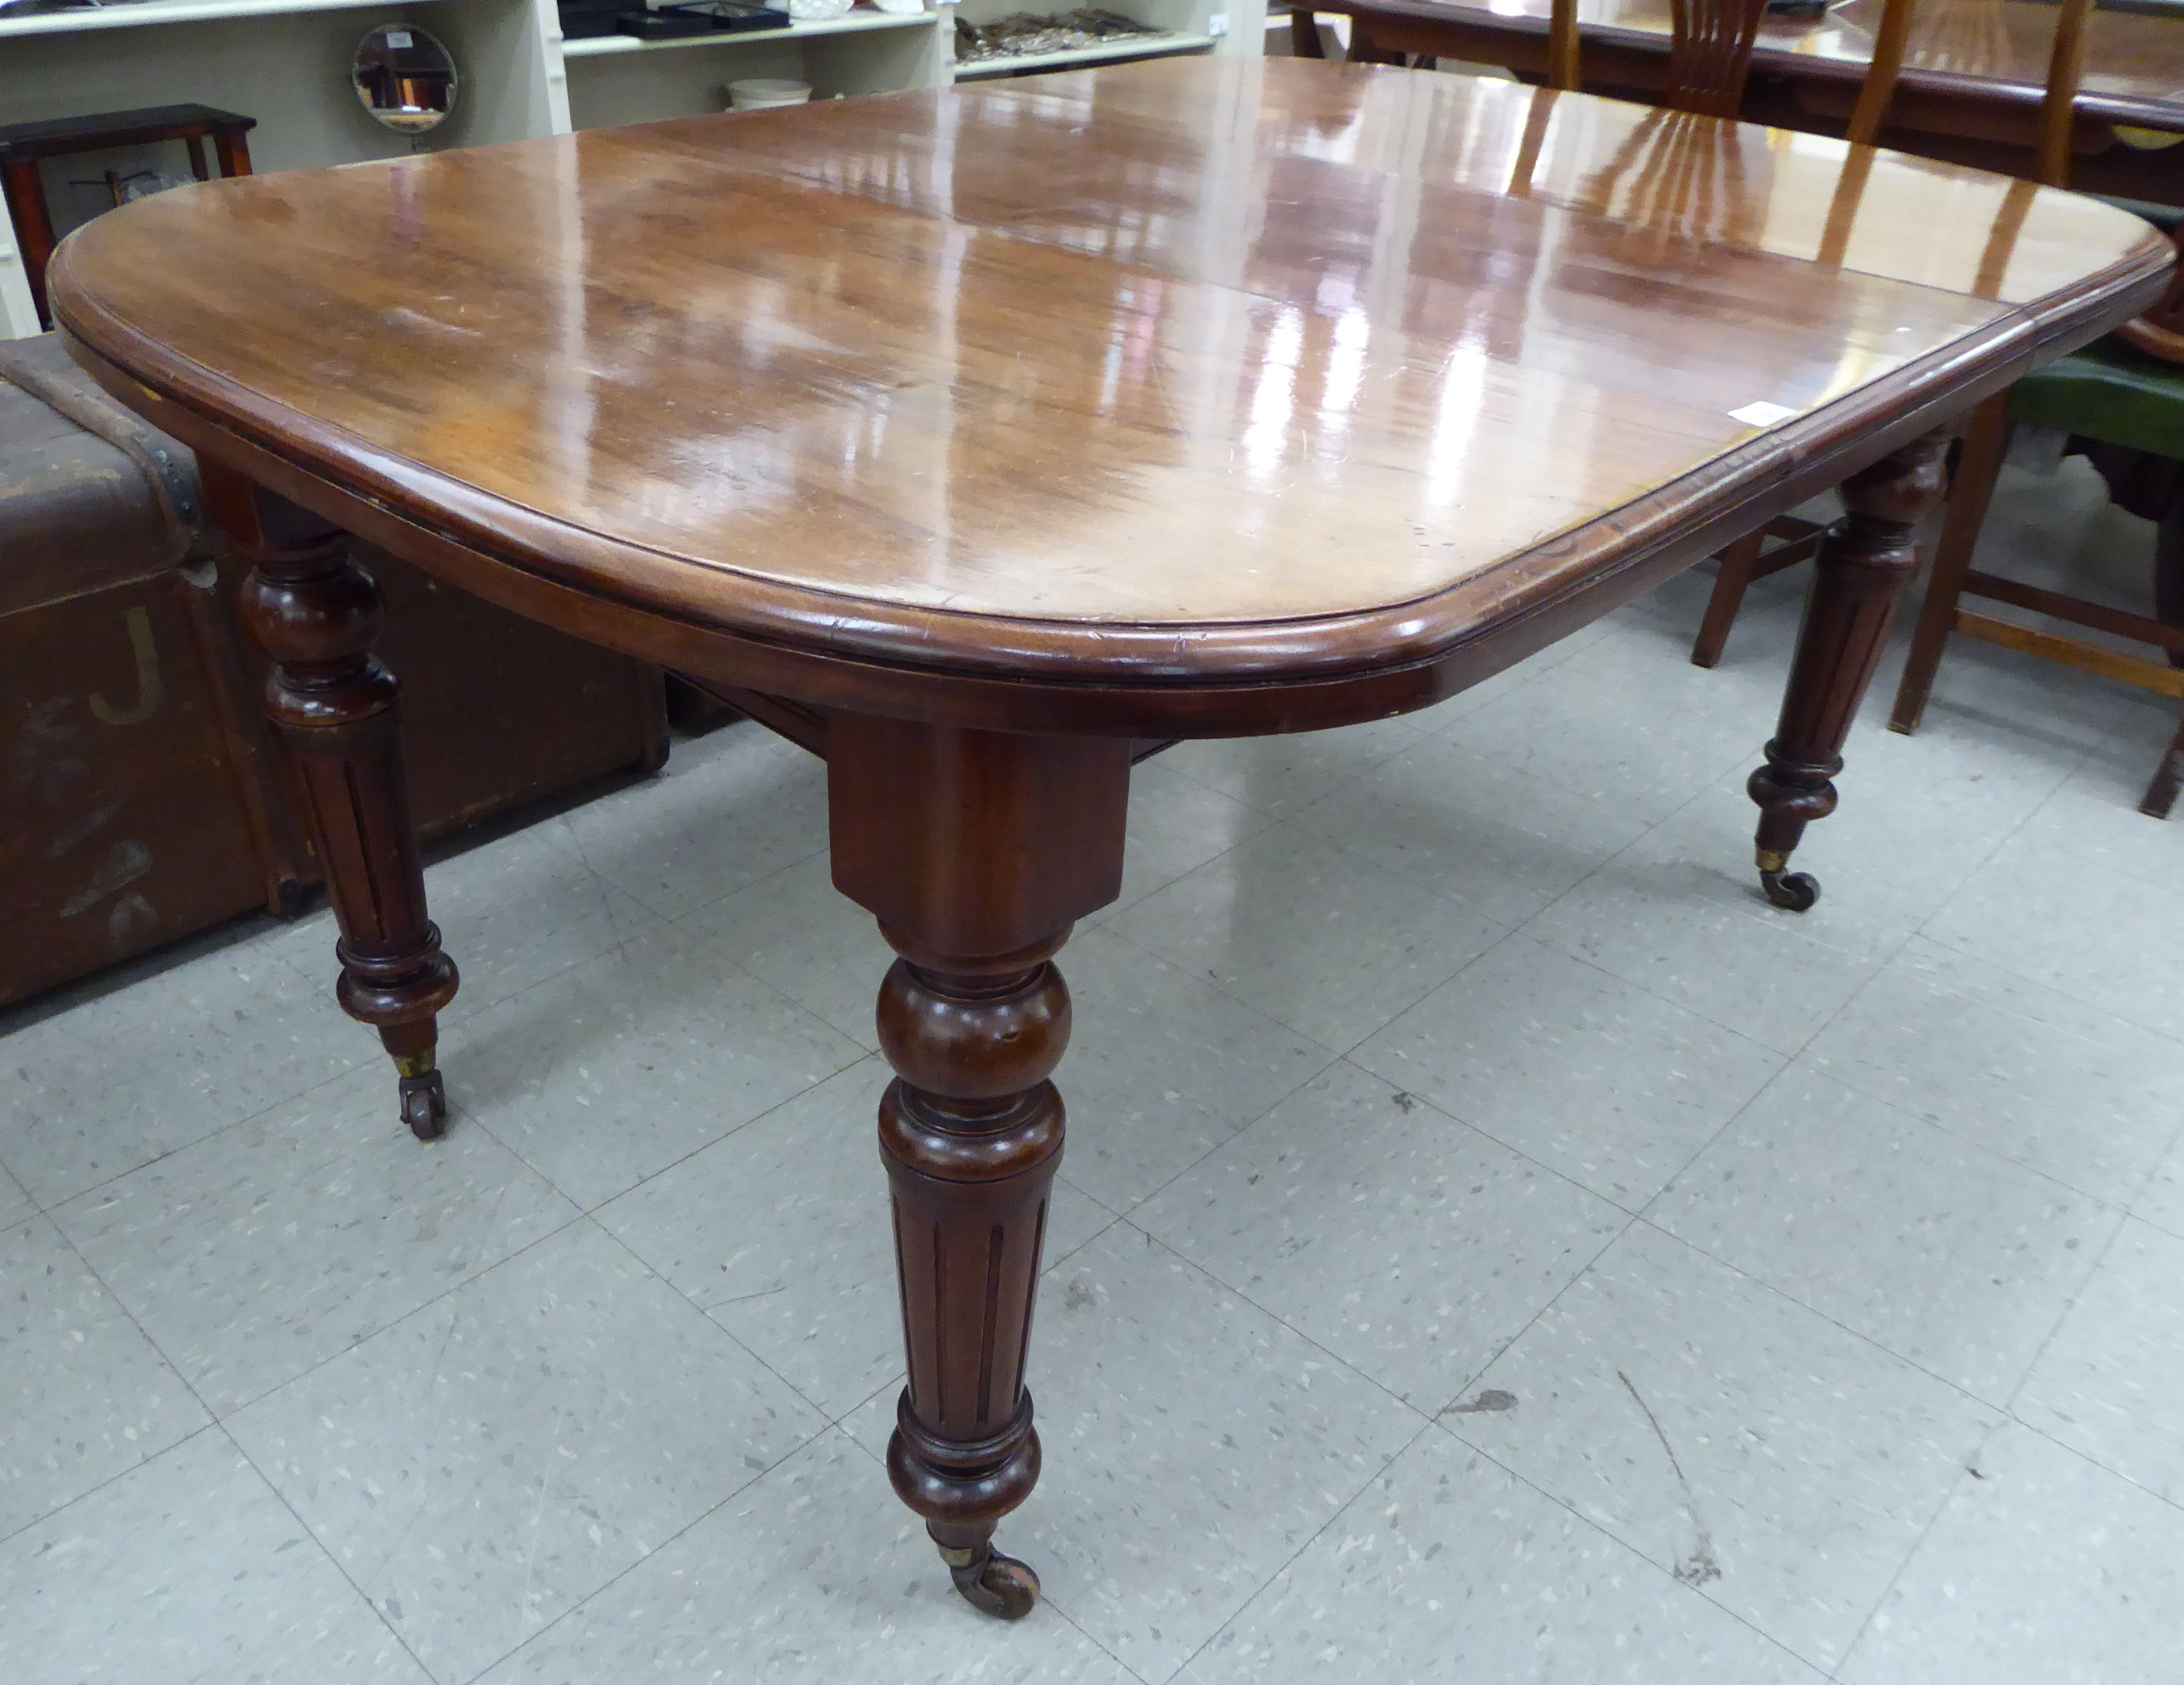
{"x":1200,"y":343}
{"x":2135,"y":55}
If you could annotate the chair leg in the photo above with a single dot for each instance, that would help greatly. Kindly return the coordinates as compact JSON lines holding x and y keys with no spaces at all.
{"x":2168,"y":609}
{"x":1304,"y":36}
{"x":1364,"y":50}
{"x":2169,"y":568}
{"x":1986,"y":441}
{"x":1730,"y":585}
{"x":2168,"y":777}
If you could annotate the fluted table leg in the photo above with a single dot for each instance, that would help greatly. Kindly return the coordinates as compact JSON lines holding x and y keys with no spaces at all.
{"x":1865,"y":562}
{"x":977,"y":850}
{"x":316,"y":613}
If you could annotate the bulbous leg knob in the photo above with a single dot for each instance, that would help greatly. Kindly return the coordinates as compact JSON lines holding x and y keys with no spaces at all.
{"x":424,"y":1105}
{"x":992,"y":1583}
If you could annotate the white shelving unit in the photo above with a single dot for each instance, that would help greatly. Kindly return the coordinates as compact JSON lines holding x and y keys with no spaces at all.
{"x":148,"y":12}
{"x":285,"y":63}
{"x":618,"y":79}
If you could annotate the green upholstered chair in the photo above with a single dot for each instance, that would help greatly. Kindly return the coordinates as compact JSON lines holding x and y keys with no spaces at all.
{"x":2120,"y":402}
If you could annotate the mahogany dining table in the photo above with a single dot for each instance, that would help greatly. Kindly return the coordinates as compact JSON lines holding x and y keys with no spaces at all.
{"x":1973,"y":72}
{"x":979,"y":439}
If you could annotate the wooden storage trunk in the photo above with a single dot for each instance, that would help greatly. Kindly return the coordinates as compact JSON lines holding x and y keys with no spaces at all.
{"x":140,"y":798}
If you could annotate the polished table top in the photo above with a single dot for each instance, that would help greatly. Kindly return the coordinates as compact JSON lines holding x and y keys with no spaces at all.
{"x":2134,"y":59}
{"x":1207,"y":369}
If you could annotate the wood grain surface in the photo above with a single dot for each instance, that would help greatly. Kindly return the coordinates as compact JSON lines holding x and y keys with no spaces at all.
{"x":1196,"y":374}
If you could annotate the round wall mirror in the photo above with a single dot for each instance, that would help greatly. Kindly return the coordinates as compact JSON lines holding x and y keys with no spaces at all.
{"x":404,"y":77}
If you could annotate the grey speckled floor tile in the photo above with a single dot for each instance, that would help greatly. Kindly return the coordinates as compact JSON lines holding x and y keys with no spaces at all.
{"x":86,"y":1395}
{"x":1408,"y":1245}
{"x":1308,"y":933}
{"x":727,"y":810}
{"x":798,"y":933}
{"x":612,"y":1072}
{"x":1624,"y":721}
{"x":2035,"y":1075}
{"x":185,"y":1572}
{"x":1943,"y":1251}
{"x":1744,"y":1443}
{"x":781,"y":1233}
{"x":1461,"y":824}
{"x":15,"y":1202}
{"x":1176,"y":823}
{"x":497,"y":1457}
{"x":2160,"y":1199}
{"x":512,"y":912}
{"x":2047,"y":914}
{"x":2111,"y":1383}
{"x":1279,"y":776}
{"x":2095,"y":815}
{"x":1161,"y":1068}
{"x":1917,"y":814}
{"x":1593,"y":1076}
{"x":1447,"y":1569}
{"x":272,"y":1246}
{"x":812,"y":1575}
{"x":96,"y":1091}
{"x":1679,"y":913}
{"x":2043,"y":1571}
{"x":1193,"y":1444}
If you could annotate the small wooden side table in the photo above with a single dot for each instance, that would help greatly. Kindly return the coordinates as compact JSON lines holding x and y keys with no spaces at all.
{"x":23,"y":145}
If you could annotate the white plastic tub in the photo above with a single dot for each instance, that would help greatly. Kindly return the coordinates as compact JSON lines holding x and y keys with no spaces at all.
{"x":764,"y":93}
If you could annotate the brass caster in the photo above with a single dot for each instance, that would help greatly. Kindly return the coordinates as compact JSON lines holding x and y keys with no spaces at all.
{"x":424,"y":1105}
{"x":1795,"y":891}
{"x":992,"y":1583}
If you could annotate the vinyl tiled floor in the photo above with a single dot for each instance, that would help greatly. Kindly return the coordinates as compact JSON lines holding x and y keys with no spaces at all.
{"x":1495,"y":1246}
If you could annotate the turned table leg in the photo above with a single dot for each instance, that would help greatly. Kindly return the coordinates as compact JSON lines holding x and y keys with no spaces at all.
{"x":1865,"y":562}
{"x":977,"y":851}
{"x":316,"y":613}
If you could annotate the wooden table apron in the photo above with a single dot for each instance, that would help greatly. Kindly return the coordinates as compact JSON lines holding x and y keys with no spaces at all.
{"x":978,"y":762}
{"x":1971,"y":91}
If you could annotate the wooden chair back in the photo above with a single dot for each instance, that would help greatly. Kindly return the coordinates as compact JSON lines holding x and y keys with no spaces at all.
{"x":1561,"y":46}
{"x":2066,"y":69}
{"x":2160,"y":332}
{"x":1711,"y":54}
{"x":1710,"y":59}
{"x":1881,"y":72}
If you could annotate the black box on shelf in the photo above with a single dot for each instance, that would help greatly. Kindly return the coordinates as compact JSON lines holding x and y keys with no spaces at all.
{"x":703,"y":17}
{"x":583,"y":19}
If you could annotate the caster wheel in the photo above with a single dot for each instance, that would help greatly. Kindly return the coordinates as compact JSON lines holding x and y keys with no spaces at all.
{"x":1795,"y":891}
{"x":424,"y":1105}
{"x":997,"y":1585}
